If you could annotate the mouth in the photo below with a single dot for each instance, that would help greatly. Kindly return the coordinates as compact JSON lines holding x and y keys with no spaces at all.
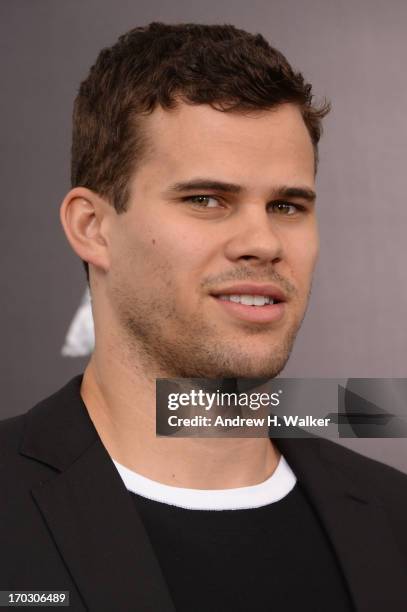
{"x":257,"y":304}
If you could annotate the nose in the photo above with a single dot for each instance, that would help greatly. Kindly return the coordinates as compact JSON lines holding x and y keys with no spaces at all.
{"x":254,"y":237}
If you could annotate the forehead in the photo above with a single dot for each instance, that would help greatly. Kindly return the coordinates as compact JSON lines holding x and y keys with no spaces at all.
{"x":197,"y":139}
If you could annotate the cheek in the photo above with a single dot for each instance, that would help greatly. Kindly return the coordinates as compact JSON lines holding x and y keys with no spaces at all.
{"x":302,"y":256}
{"x":136,"y":261}
{"x":187,"y":249}
{"x":167,"y":257}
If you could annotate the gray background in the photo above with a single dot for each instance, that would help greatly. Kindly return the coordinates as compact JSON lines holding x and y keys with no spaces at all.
{"x":353,"y":52}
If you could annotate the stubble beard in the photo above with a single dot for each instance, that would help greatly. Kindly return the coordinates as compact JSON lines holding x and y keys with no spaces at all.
{"x":165,"y":345}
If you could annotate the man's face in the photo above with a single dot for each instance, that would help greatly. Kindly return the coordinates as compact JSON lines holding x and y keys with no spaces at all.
{"x":179,"y":248}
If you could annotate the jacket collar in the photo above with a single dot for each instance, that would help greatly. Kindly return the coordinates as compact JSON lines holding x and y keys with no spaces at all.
{"x":81,"y":503}
{"x":89,"y":512}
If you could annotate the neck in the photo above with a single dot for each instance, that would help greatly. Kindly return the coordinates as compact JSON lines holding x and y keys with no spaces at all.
{"x":121,"y":403}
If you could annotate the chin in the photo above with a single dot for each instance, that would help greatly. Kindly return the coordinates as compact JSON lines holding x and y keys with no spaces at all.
{"x":246,"y":366}
{"x":264,"y":371}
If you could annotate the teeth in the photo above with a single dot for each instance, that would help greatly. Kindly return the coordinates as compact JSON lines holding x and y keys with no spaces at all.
{"x":248,"y":300}
{"x":260,"y":300}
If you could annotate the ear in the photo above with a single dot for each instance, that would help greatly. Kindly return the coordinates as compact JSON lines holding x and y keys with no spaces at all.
{"x":84,"y":216}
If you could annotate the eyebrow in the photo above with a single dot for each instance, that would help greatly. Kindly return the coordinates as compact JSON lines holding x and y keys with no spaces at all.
{"x":282,"y":191}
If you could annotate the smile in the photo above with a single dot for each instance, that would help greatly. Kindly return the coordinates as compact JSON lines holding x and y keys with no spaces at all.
{"x":249,"y":300}
{"x":252,"y":308}
{"x":252,"y":302}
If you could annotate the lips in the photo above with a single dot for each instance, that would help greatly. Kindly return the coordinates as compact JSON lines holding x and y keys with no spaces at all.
{"x":271,"y":291}
{"x":266,"y":313}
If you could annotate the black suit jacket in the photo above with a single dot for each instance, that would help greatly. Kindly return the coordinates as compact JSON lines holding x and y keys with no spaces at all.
{"x":68,"y":523}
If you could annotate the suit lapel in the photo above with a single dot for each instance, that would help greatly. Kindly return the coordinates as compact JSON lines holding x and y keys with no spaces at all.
{"x":90,"y":514}
{"x":356,"y":525}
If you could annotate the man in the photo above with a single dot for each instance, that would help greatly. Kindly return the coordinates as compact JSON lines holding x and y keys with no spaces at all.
{"x":193,"y":207}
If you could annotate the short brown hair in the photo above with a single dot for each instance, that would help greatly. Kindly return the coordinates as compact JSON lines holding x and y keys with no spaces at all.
{"x":158,"y":65}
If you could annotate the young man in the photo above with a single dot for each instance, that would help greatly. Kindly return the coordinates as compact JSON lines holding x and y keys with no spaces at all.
{"x":193,"y":168}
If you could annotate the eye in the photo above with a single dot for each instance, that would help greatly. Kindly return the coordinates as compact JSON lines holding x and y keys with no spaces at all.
{"x":286,"y":208}
{"x":202,"y":201}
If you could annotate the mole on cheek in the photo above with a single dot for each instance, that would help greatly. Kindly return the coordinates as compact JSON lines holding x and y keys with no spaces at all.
{"x":153,"y":241}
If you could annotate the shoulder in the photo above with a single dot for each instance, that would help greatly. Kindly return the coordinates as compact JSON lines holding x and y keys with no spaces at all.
{"x":383,"y":482}
{"x":46,"y":439}
{"x":11,"y":432}
{"x":24,"y":439}
{"x":17,"y":473}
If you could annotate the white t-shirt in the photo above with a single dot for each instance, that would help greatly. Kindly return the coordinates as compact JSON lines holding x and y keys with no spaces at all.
{"x":277,"y":486}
